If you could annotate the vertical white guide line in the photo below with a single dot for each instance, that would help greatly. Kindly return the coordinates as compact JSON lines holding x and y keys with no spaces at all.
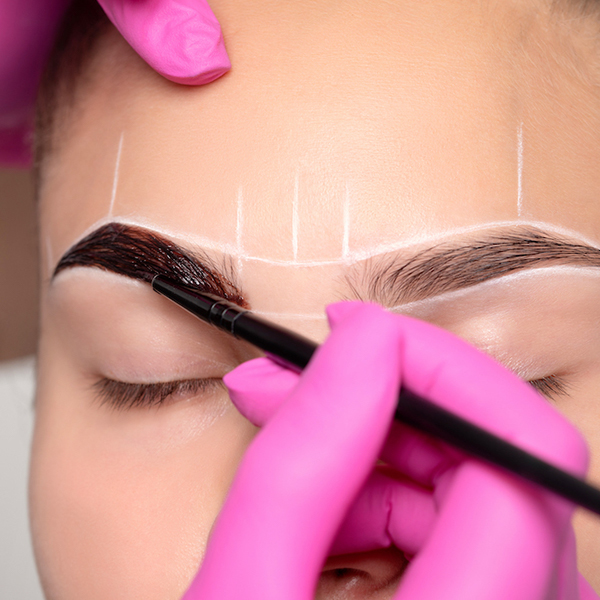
{"x":116,"y":176}
{"x":239,"y":228}
{"x":520,"y":170}
{"x":346,"y":224}
{"x":295,"y":219}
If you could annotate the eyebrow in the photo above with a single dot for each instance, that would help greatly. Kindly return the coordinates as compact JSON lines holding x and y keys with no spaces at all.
{"x":140,"y":254}
{"x":453,"y":266}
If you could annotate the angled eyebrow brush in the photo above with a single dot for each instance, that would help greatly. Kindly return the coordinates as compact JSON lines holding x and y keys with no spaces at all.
{"x":296,"y":351}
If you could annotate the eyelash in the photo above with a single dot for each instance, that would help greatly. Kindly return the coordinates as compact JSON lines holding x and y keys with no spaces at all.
{"x":122,"y":395}
{"x":552,"y":387}
{"x":125,"y":396}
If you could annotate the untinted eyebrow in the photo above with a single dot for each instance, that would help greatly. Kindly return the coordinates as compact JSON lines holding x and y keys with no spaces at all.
{"x":141,"y":254}
{"x":453,"y":266}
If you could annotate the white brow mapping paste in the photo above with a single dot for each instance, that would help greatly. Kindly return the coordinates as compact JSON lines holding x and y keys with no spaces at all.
{"x":113,"y":195}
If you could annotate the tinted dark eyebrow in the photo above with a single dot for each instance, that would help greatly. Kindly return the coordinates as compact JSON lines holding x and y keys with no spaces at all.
{"x":141,"y":254}
{"x":452,"y":266}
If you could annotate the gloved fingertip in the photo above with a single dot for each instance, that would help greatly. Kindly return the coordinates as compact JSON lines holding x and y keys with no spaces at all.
{"x":199,"y":74}
{"x":197,"y":66}
{"x":182,"y":41}
{"x":341,"y":310}
{"x":258,"y":387}
{"x":250,"y":371}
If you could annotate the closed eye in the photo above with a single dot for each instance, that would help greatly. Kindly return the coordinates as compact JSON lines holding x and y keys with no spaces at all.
{"x":124,"y":396}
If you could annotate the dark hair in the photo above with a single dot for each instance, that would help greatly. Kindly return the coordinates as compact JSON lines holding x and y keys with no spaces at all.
{"x":83,"y":25}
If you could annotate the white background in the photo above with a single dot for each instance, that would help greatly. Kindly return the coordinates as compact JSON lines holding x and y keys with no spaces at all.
{"x":18,"y":577}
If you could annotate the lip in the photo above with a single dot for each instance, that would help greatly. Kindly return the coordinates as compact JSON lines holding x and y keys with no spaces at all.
{"x":373,"y":575}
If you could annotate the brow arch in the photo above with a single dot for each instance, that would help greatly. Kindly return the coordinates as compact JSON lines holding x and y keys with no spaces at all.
{"x":451,"y":266}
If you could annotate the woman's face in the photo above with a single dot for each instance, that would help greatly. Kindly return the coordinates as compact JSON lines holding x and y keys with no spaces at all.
{"x":343,"y":143}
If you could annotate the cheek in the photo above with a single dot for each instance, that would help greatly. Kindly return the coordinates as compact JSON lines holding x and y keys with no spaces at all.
{"x":114,"y":516}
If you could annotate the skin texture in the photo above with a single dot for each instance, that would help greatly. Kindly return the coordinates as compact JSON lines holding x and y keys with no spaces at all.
{"x":409,"y":114}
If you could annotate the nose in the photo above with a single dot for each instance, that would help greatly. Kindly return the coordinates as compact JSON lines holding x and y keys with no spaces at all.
{"x":368,"y":575}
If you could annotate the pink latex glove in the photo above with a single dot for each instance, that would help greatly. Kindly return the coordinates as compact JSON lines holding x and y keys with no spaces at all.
{"x":181,"y":39}
{"x":307,"y":485}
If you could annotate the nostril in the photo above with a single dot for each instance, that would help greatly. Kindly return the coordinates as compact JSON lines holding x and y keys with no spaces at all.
{"x":354,"y":576}
{"x":344,"y":584}
{"x":339,"y":573}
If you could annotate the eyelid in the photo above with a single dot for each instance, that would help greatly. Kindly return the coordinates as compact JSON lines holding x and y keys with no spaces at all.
{"x":123,"y":395}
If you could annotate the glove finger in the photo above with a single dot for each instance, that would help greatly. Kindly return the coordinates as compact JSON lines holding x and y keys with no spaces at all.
{"x":489,"y":520}
{"x":341,"y":310}
{"x":387,"y":511}
{"x":458,"y":377}
{"x":568,"y":576}
{"x":181,"y":40}
{"x":417,"y":455}
{"x":495,"y":538}
{"x":258,"y":387}
{"x":305,"y":467}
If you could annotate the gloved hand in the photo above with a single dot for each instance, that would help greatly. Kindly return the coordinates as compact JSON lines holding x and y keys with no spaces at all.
{"x":307,"y":485}
{"x":181,"y":39}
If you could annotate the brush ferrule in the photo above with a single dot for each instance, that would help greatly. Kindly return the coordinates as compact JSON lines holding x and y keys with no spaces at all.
{"x":223,"y":314}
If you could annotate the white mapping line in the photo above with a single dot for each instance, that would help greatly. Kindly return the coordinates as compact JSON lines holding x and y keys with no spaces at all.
{"x":346,"y":218}
{"x":295,"y":220}
{"x":116,"y":176}
{"x":520,"y":170}
{"x":284,"y":315}
{"x":294,"y":263}
{"x":379,"y":249}
{"x":353,"y":257}
{"x":191,"y":239}
{"x":239,"y":228}
{"x":499,"y":281}
{"x":446,"y":296}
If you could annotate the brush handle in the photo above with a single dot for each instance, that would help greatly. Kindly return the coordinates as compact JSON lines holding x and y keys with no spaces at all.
{"x":295,"y":351}
{"x":460,"y":433}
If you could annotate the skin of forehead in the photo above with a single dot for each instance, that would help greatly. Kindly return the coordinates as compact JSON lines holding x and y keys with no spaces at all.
{"x":303,"y":155}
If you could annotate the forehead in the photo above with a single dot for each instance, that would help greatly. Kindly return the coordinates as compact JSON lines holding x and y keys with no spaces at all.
{"x":341,"y":131}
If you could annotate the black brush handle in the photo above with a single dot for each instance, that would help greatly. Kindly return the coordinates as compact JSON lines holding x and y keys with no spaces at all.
{"x":296,"y":351}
